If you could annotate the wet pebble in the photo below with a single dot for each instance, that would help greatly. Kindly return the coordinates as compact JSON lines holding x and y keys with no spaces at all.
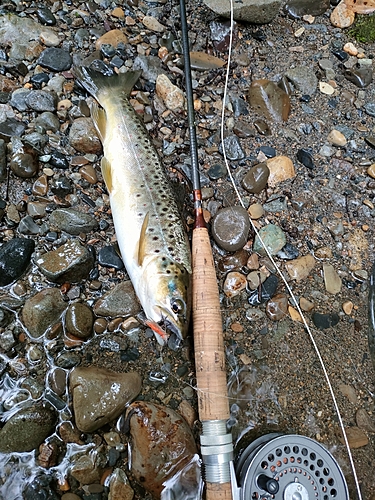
{"x":361,"y":77}
{"x":70,"y":263}
{"x":45,"y":16}
{"x":119,"y":486}
{"x":267,"y":291}
{"x":55,"y":59}
{"x":42,"y":311}
{"x":217,"y":171}
{"x":323,"y":321}
{"x":58,"y":160}
{"x":40,"y":186}
{"x":24,"y":160}
{"x":288,"y":252}
{"x":234,"y":283}
{"x":256,"y":211}
{"x":57,"y":380}
{"x":256,"y":179}
{"x":109,"y":257}
{"x":72,"y":221}
{"x":298,"y":269}
{"x":300,"y":8}
{"x":277,"y":307}
{"x":15,"y":257}
{"x":27,"y":429}
{"x":88,"y":173}
{"x":269,"y":100}
{"x":27,"y":226}
{"x":173,"y":444}
{"x":233,"y":262}
{"x":87,"y":469}
{"x":61,"y":187}
{"x":332,"y":280}
{"x":100,"y":395}
{"x":83,"y":136}
{"x":273,"y":238}
{"x":119,"y":301}
{"x":230,"y":228}
{"x":79,"y":320}
{"x":305,"y":156}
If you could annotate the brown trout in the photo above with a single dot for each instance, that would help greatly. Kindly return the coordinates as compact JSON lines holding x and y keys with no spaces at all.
{"x":149,"y":229}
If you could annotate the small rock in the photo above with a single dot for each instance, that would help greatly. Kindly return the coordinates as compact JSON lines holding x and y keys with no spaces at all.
{"x":332,"y":280}
{"x":299,"y":269}
{"x":41,"y":100}
{"x":324,"y":321}
{"x":79,"y":320}
{"x":153,"y":24}
{"x":55,"y":59}
{"x":87,"y":469}
{"x":281,"y":168}
{"x":349,"y":392}
{"x":173,"y":445}
{"x":100,"y":395}
{"x":305,"y":156}
{"x":230,"y":228}
{"x":337,"y":138}
{"x":273,"y":239}
{"x":15,"y":256}
{"x":234,"y":283}
{"x":42,"y":311}
{"x":326,"y":88}
{"x":70,"y":263}
{"x":233,"y":149}
{"x":256,"y":211}
{"x":109,"y":257}
{"x":277,"y":307}
{"x":364,"y":421}
{"x":341,"y":16}
{"x":305,"y":8}
{"x":347,"y":307}
{"x":361,"y":77}
{"x":233,"y":262}
{"x":27,"y":429}
{"x":172,"y":96}
{"x":306,"y":305}
{"x":112,"y":37}
{"x":356,"y":437}
{"x":119,"y":301}
{"x":269,"y":100}
{"x":83,"y":136}
{"x":88,"y":173}
{"x":294,"y":314}
{"x":202,"y":61}
{"x":350,"y":48}
{"x":119,"y":486}
{"x":72,"y":221}
{"x":256,"y":179}
{"x":303,"y":78}
{"x":267,"y":291}
{"x":255,"y":278}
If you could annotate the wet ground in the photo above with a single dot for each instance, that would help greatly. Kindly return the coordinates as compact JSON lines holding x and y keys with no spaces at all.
{"x":325,"y":209}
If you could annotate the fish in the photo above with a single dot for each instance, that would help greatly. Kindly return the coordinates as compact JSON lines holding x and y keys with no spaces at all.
{"x":150,"y":232}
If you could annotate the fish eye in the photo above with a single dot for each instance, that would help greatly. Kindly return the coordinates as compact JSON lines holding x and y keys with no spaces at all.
{"x":177,"y":306}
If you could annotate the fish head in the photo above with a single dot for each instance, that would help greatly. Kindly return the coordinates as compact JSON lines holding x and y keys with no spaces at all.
{"x":166,"y":297}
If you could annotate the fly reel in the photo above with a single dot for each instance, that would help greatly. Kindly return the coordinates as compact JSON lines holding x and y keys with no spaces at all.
{"x":289,"y":467}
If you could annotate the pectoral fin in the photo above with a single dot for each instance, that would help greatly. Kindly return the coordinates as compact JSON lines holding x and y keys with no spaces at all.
{"x":100,"y":120}
{"x":107,"y":173}
{"x":142,"y":240}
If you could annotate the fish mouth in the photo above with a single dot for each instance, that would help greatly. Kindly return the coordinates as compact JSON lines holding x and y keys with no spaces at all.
{"x":162,"y":328}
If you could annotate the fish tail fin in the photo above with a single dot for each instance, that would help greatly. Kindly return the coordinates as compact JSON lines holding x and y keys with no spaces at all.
{"x":97,"y":83}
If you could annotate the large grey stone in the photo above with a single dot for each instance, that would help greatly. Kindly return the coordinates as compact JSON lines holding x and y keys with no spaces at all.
{"x":252,"y":11}
{"x":120,"y":301}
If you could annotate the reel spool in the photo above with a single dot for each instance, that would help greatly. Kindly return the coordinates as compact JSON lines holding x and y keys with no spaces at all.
{"x":289,"y":467}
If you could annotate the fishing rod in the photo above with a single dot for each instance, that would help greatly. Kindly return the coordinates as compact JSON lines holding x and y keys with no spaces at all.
{"x":213,"y":404}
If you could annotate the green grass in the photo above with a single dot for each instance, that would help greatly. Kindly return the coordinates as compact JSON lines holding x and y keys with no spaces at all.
{"x":363,"y":29}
